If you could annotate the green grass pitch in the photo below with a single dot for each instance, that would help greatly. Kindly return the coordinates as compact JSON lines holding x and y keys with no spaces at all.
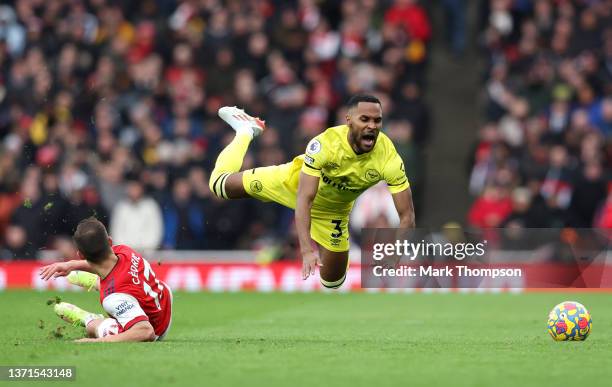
{"x":249,"y":339}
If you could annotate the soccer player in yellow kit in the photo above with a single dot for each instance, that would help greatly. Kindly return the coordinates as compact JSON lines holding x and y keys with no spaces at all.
{"x":322,"y":184}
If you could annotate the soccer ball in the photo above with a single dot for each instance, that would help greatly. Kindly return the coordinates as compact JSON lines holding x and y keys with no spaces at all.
{"x":569,"y":320}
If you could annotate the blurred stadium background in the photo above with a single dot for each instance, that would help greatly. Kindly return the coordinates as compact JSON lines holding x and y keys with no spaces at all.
{"x":501,"y":110}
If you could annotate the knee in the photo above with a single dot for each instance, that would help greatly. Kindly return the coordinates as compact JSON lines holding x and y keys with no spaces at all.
{"x":333,"y":283}
{"x":217,"y":184}
{"x":93,"y":326}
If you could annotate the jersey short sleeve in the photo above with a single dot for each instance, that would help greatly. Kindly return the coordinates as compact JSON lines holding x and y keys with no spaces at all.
{"x":315,"y":157}
{"x":395,"y":174}
{"x":125,"y":309}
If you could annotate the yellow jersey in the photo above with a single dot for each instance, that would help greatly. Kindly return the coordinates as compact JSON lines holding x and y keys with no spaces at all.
{"x":343,"y":174}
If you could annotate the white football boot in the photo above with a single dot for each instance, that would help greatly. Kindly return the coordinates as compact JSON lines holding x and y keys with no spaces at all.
{"x":241,"y":122}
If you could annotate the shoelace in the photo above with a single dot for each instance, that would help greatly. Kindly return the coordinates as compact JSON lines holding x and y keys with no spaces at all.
{"x":75,"y":322}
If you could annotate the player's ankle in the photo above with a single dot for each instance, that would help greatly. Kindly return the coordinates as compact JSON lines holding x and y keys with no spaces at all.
{"x":244,"y":131}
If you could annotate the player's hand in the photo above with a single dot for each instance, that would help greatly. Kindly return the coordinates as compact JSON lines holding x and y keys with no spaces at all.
{"x":310,"y":260}
{"x":54,"y":270}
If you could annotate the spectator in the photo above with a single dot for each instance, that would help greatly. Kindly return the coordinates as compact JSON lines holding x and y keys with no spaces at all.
{"x":83,"y":202}
{"x":601,"y":116}
{"x":136,"y":220}
{"x":491,"y":209}
{"x":558,"y":181}
{"x":24,"y":233}
{"x":456,"y":30}
{"x":524,"y":211}
{"x":588,"y":196}
{"x":412,"y":17}
{"x":414,"y":110}
{"x":11,"y":31}
{"x":184,"y":219}
{"x":9,"y":189}
{"x":604,"y":218}
{"x":54,"y":207}
{"x":17,"y":245}
{"x":110,"y":181}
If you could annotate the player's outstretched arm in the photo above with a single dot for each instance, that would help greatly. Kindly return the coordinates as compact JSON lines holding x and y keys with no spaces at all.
{"x":141,"y":331}
{"x":405,"y":208}
{"x":61,"y":269}
{"x":307,"y":190}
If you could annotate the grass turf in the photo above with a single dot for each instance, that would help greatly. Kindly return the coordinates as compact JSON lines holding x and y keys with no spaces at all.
{"x":321,"y":339}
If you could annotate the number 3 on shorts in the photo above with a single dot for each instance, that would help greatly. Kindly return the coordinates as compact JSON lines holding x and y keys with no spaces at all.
{"x":338,"y":234}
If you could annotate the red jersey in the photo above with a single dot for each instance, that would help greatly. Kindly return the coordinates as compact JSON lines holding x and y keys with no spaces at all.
{"x":131,"y":293}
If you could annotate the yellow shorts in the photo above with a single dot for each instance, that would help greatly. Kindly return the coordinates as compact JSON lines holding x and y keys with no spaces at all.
{"x":278,"y":183}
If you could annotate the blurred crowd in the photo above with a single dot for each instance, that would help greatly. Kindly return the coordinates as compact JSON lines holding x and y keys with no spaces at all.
{"x":544,"y":153}
{"x":108,"y":108}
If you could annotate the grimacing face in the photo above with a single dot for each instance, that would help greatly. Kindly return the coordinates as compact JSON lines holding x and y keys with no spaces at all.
{"x":364,"y":122}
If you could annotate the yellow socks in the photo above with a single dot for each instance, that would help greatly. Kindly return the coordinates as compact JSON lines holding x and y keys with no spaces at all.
{"x":229,"y":161}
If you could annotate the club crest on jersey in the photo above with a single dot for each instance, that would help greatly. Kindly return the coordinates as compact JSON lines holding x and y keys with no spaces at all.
{"x":372,"y":175}
{"x":256,"y":186}
{"x":314,"y":147}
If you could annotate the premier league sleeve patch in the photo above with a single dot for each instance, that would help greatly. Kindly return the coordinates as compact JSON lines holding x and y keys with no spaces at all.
{"x":314,"y":147}
{"x":314,"y":158}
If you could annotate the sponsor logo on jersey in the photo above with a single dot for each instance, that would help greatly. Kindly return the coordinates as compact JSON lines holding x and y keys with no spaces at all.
{"x":314,"y":147}
{"x":340,"y":185}
{"x":256,"y":186}
{"x":331,"y":165}
{"x":372,"y":175}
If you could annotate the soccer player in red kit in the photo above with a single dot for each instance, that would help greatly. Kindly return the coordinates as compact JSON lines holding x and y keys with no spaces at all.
{"x":138,"y":304}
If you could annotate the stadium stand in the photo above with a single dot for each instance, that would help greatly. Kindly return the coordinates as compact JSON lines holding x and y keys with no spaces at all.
{"x":544,"y":153}
{"x":103,"y":99}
